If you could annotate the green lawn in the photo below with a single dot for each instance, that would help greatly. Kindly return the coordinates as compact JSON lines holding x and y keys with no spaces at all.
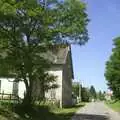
{"x":40,"y":113}
{"x":6,"y":114}
{"x":66,"y":113}
{"x":61,"y":114}
{"x":114,"y":105}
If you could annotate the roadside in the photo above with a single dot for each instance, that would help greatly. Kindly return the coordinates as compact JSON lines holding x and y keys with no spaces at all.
{"x":115,"y":105}
{"x":67,"y":113}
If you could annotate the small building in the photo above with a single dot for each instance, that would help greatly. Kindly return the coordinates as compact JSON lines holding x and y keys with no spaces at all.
{"x":62,"y":68}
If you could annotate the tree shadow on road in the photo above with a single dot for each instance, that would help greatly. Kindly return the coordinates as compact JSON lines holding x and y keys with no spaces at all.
{"x":90,"y":117}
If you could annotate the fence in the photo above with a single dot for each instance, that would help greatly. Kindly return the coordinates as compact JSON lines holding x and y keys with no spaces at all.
{"x":10,"y":97}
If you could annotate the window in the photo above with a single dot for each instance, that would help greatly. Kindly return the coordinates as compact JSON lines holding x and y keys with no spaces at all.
{"x":15,"y":88}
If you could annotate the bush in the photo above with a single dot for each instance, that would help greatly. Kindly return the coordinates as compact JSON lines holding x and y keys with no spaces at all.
{"x":52,"y":104}
{"x":7,"y":104}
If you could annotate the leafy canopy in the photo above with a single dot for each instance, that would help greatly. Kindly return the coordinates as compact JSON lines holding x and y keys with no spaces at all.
{"x":112,"y":72}
{"x":28,"y":28}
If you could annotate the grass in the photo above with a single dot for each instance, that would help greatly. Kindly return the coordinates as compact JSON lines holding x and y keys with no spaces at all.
{"x":115,"y":105}
{"x":39,"y":113}
{"x":6,"y":114}
{"x":66,"y":113}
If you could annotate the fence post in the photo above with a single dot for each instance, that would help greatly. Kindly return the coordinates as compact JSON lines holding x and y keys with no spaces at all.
{"x":2,"y":94}
{"x":10,"y":96}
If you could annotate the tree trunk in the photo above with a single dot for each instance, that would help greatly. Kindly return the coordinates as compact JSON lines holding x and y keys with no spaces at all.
{"x":27,"y":101}
{"x":42,"y":91}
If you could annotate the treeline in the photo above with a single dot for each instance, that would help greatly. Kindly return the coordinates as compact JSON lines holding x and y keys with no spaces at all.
{"x":88,"y":94}
{"x":112,"y":73}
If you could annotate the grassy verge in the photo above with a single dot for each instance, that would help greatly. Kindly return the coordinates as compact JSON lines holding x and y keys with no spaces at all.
{"x":39,"y":113}
{"x":66,"y":113}
{"x":114,"y":105}
{"x":7,"y":114}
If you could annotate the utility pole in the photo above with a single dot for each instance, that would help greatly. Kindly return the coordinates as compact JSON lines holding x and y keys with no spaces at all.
{"x":80,"y":91}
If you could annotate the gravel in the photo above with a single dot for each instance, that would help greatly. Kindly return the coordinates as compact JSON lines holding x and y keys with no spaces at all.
{"x":96,"y":111}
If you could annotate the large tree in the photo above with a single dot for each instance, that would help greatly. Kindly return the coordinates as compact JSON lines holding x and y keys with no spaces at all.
{"x":112,"y":72}
{"x":29,"y":29}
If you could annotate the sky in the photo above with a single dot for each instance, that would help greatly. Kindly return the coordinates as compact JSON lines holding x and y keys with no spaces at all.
{"x":89,"y":60}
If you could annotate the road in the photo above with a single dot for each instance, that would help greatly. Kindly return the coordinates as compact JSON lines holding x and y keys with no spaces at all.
{"x":96,"y":111}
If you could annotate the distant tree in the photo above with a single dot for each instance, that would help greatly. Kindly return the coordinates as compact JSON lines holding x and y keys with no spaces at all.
{"x":93,"y":92}
{"x":85,"y":94}
{"x":112,"y":73}
{"x":76,"y":89}
{"x":26,"y":31}
{"x":101,"y":96}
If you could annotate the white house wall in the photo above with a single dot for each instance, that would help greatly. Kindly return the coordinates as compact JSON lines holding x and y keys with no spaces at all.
{"x":58,"y":91}
{"x":21,"y":89}
{"x":7,"y":87}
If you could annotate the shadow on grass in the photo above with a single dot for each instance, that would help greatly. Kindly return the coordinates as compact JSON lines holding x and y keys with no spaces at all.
{"x":75,"y":106}
{"x":43,"y":113}
{"x":36,"y":112}
{"x":79,"y":105}
{"x":6,"y":114}
{"x":18,"y":112}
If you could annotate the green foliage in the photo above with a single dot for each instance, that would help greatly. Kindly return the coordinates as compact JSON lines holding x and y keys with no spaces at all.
{"x":7,"y":114}
{"x":76,"y":89}
{"x":114,"y":105}
{"x":46,"y":113}
{"x":93,"y":93}
{"x":38,"y":113}
{"x":101,"y":96}
{"x":26,"y":30}
{"x":112,"y":72}
{"x":85,"y":94}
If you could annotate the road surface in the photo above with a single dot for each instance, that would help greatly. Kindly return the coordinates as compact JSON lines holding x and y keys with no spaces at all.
{"x":96,"y":111}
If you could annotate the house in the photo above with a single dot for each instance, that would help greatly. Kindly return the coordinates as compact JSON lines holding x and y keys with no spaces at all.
{"x":62,"y":67}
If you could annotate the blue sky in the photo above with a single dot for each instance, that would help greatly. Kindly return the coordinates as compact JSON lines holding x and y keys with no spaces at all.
{"x":89,"y":60}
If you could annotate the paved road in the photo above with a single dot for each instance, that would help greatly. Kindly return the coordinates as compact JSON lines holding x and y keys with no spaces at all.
{"x":96,"y":111}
